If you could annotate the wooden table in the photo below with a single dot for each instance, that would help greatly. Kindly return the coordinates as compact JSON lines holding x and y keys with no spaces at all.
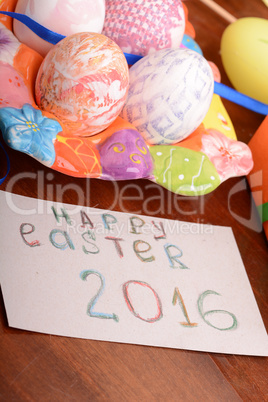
{"x":49,"y":368}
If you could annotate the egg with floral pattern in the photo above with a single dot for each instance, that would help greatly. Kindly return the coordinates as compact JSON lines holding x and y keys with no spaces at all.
{"x":83,"y":81}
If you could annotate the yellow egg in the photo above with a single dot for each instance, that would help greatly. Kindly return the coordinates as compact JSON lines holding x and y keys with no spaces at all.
{"x":244,"y":52}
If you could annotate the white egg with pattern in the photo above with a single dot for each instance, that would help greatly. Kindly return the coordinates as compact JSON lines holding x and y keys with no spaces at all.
{"x":169,"y":95}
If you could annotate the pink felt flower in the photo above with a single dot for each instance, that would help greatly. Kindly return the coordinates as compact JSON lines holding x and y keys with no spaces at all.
{"x":230,"y":158}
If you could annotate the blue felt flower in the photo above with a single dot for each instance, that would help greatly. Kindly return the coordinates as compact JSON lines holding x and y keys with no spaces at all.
{"x":28,"y":131}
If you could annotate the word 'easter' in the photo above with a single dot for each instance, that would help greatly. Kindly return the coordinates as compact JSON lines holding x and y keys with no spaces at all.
{"x":62,"y":239}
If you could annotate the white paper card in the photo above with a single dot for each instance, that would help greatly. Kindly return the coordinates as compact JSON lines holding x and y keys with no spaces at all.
{"x":119,"y":277}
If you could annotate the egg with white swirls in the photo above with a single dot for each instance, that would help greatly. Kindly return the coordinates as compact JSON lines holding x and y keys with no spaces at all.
{"x":143,"y":26}
{"x":169,"y":95}
{"x":65,"y":17}
{"x":83,"y":81}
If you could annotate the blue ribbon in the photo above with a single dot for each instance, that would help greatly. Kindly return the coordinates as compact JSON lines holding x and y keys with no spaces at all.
{"x":219,"y":89}
{"x":240,"y":99}
{"x":8,"y":165}
{"x":38,"y":29}
{"x":132,"y":58}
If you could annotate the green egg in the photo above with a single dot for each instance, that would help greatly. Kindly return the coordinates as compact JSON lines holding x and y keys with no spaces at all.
{"x":184,"y":171}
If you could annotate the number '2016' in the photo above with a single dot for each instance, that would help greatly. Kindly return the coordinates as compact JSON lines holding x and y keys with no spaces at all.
{"x":177,"y":297}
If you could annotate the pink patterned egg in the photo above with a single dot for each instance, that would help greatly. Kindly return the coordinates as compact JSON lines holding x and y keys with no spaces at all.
{"x":143,"y":26}
{"x":83,"y":81}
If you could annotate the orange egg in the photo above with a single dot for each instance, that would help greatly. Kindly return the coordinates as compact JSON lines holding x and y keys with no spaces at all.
{"x":83,"y":81}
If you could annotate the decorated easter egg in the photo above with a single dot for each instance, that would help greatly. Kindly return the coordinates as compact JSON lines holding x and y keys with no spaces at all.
{"x":125,"y":155}
{"x":169,"y":95}
{"x":143,"y":26}
{"x":83,"y":81}
{"x":244,"y":52}
{"x":62,"y":16}
{"x":183,"y":170}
